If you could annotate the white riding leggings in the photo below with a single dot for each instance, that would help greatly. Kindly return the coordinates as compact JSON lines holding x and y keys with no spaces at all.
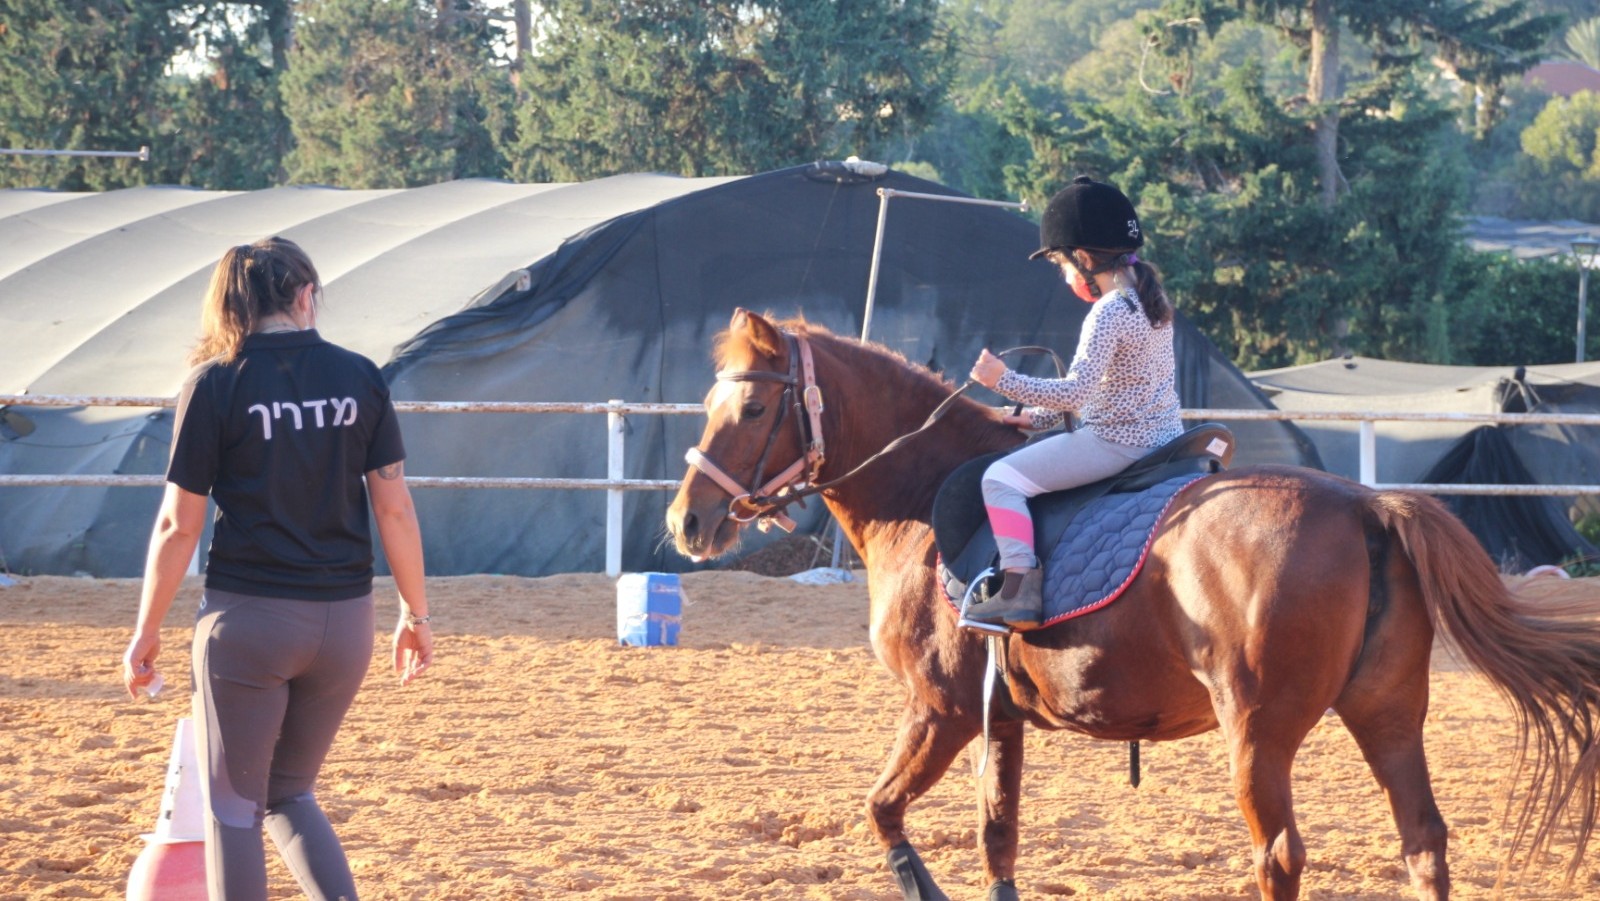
{"x":273,"y":681}
{"x":1059,"y":462}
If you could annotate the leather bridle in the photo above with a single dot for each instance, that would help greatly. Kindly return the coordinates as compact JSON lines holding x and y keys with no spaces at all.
{"x":765,"y":501}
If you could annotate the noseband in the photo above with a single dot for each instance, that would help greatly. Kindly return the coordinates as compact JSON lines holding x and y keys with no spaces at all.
{"x":766,"y":501}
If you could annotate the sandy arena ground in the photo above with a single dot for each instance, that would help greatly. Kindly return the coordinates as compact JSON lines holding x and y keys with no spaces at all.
{"x":539,"y":759}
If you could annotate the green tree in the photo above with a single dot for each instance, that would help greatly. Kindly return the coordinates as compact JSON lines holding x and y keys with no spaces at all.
{"x":970,"y":147}
{"x":226,"y":128}
{"x":1570,"y":11}
{"x":1515,"y":312}
{"x":384,"y":94}
{"x":1559,"y":173}
{"x":84,"y":75}
{"x":1582,"y":42}
{"x":1029,"y":41}
{"x":1228,"y":183}
{"x":1005,"y":47}
{"x":1482,"y":45}
{"x":702,"y":88}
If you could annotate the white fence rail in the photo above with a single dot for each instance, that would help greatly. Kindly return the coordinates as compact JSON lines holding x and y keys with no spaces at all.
{"x":614,"y":484}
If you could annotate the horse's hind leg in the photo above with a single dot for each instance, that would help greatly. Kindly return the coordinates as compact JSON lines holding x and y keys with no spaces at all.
{"x":1395,"y":754}
{"x":1262,"y":757}
{"x":923,"y":750}
{"x":999,"y":791}
{"x":1383,"y":707}
{"x":1264,"y":731}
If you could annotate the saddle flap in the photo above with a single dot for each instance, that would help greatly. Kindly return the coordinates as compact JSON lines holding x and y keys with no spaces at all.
{"x":960,"y":521}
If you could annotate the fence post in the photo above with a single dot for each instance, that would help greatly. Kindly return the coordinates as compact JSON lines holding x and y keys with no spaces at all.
{"x":1369,"y":453}
{"x":614,"y":471}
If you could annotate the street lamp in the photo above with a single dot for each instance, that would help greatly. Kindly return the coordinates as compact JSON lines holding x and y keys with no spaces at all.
{"x":1586,"y":251}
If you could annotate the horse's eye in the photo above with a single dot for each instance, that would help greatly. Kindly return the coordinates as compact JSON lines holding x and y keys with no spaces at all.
{"x":752,"y":410}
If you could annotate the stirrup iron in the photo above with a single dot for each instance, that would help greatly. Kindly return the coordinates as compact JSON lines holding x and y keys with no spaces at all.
{"x":966,"y":605}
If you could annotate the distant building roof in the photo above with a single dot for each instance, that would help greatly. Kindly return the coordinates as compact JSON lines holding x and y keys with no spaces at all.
{"x":1563,"y":77}
{"x":1528,"y":239}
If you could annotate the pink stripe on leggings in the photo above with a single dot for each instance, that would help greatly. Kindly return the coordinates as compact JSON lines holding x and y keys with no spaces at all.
{"x":1011,"y":524}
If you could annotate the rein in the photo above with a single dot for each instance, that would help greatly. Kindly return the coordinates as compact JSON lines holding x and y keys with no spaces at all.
{"x":766,"y":502}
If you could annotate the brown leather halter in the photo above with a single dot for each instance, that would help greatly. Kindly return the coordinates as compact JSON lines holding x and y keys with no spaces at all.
{"x":765,"y":502}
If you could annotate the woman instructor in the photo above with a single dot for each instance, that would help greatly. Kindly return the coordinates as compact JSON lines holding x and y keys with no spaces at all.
{"x":288,"y":434}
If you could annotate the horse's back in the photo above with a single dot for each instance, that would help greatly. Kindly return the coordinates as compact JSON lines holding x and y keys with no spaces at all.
{"x":1260,"y":544}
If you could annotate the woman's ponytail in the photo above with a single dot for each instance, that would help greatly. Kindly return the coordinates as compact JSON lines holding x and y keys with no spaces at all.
{"x":250,"y":283}
{"x":226,"y":317}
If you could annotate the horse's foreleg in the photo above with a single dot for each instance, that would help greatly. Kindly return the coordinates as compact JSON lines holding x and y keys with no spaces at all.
{"x":999,"y":789}
{"x":923,"y":751}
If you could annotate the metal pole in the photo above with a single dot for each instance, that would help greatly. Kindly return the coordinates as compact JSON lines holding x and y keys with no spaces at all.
{"x":614,"y":459}
{"x":884,"y":195}
{"x":142,"y":154}
{"x":877,"y":255}
{"x":1583,"y":302}
{"x":947,"y":198}
{"x":1369,"y":453}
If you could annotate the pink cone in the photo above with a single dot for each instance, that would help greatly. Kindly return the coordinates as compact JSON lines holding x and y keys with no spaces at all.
{"x":168,"y":871}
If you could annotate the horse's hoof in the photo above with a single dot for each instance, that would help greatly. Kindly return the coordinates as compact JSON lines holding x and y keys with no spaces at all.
{"x":1004,"y":890}
{"x":916,"y":883}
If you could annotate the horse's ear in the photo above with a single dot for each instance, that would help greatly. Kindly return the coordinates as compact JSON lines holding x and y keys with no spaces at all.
{"x":762,"y":336}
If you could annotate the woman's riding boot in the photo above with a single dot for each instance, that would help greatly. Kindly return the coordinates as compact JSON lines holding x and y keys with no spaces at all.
{"x":1019,"y":605}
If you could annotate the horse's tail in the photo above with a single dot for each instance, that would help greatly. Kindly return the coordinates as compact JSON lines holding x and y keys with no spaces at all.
{"x":1545,"y":661}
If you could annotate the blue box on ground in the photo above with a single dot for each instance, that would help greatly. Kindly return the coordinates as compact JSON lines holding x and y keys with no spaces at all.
{"x":649,"y":609}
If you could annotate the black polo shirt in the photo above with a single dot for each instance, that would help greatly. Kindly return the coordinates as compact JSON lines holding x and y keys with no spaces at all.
{"x":280,"y":438}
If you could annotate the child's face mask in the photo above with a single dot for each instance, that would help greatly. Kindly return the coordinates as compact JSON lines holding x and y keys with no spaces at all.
{"x":1076,"y":281}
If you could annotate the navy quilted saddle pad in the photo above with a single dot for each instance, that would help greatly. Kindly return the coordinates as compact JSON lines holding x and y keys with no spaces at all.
{"x":1103,"y":548}
{"x":1091,"y":543}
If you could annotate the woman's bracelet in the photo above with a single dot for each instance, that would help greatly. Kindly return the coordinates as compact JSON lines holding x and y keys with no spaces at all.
{"x":414,"y":620}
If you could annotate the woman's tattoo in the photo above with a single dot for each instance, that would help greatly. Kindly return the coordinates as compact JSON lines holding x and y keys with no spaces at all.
{"x":392,"y":471}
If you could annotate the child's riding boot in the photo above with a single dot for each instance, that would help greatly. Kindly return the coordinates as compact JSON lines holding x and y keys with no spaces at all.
{"x":1019,"y":605}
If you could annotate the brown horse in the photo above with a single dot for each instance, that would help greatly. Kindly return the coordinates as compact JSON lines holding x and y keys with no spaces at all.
{"x":1270,"y":595}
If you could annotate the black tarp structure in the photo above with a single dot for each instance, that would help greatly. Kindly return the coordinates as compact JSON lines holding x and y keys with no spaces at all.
{"x":617,"y":293}
{"x":1518,"y":532}
{"x":629,"y":310}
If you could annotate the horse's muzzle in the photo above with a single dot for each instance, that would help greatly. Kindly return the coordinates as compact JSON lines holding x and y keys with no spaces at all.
{"x":701,"y":533}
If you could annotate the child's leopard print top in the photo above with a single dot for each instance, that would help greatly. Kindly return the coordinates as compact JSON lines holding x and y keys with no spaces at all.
{"x":1122,"y":381}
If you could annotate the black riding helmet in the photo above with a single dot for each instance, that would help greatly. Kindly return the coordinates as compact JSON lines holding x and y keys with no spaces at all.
{"x":1091,"y":215}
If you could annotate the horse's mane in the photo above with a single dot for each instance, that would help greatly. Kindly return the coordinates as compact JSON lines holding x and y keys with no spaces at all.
{"x":876,"y":356}
{"x":916,"y":385}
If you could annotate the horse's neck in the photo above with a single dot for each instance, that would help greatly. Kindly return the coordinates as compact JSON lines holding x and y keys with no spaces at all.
{"x":886,"y":509}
